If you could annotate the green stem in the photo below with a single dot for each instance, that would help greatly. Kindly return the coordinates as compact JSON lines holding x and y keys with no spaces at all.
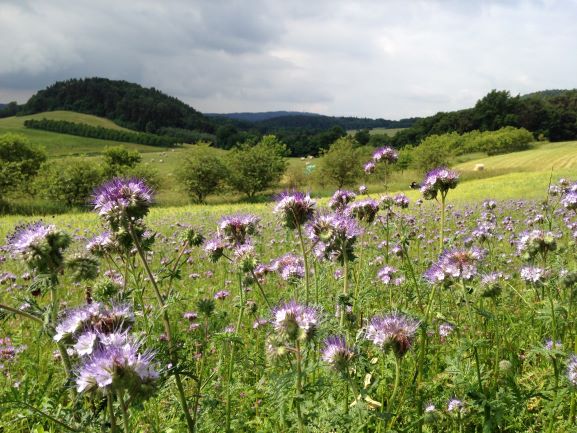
{"x":261,"y":290}
{"x":21,"y":313}
{"x":442,"y":229}
{"x":345,"y":287}
{"x":395,"y":389}
{"x":299,"y":387}
{"x":306,"y":263}
{"x":111,"y":413}
{"x":125,"y":419}
{"x":167,"y":329}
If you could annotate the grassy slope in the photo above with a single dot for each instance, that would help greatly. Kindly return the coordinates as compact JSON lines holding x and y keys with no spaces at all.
{"x":57,"y":144}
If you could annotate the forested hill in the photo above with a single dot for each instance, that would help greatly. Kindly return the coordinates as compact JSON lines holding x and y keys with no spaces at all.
{"x":549,"y":114}
{"x":289,"y":120}
{"x":127,"y":104}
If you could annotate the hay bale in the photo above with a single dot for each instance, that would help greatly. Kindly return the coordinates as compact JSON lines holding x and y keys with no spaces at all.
{"x":479,"y":167}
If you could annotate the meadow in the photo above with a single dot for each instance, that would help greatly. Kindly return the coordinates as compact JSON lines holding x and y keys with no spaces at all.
{"x":449,"y":309}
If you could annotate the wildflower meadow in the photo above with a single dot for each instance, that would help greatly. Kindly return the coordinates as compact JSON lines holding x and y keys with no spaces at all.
{"x":367,"y":313}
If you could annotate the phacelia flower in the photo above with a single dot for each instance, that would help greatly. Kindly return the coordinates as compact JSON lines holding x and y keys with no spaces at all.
{"x":295,"y":321}
{"x":535,"y":242}
{"x":363,"y":210}
{"x":102,"y":244}
{"x":117,"y":367}
{"x":120,"y":200}
{"x":95,"y":317}
{"x":337,"y":354}
{"x":215,"y":248}
{"x":235,"y":229}
{"x":390,"y":275}
{"x":369,"y":167}
{"x":290,"y":267}
{"x":221,"y":294}
{"x":295,"y":208}
{"x":455,"y":264}
{"x":572,"y":370}
{"x":533,"y":274}
{"x":386,"y":154}
{"x":393,"y":331}
{"x":334,"y":236}
{"x":438,"y":180}
{"x":401,"y":200}
{"x":340,"y":199}
{"x":40,"y":245}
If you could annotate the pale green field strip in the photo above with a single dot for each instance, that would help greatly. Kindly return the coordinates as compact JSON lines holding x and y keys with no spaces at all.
{"x":57,"y":144}
{"x":546,"y":157}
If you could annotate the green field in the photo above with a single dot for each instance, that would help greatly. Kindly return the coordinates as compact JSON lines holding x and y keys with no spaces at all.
{"x":57,"y":144}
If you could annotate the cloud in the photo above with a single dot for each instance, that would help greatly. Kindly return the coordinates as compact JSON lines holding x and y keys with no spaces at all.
{"x":367,"y":58}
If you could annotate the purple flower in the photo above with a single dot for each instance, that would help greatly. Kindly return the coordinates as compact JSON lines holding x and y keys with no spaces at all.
{"x":394,"y":331}
{"x":290,"y":267}
{"x":337,"y":354}
{"x":390,"y":275}
{"x":102,"y":244}
{"x":120,"y":200}
{"x":362,"y":189}
{"x":445,"y":329}
{"x":572,"y":370}
{"x":94,"y":317}
{"x":191,"y":316}
{"x":533,"y":274}
{"x":369,"y":167}
{"x":401,"y":200}
{"x":340,"y":199}
{"x":235,"y":229}
{"x":334,"y":236}
{"x":570,"y":201}
{"x":222,"y":294}
{"x":438,"y":180}
{"x":455,"y":405}
{"x":386,"y":154}
{"x":295,"y":321}
{"x":215,"y":248}
{"x":535,"y":242}
{"x":117,"y":367}
{"x":455,"y":264}
{"x":244,"y":257}
{"x":295,"y":208}
{"x":39,"y":245}
{"x":363,"y":210}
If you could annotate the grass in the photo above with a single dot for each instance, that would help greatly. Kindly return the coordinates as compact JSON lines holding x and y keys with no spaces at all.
{"x":58,"y":145}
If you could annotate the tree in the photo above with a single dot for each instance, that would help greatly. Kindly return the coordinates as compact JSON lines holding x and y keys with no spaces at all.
{"x":117,"y":158}
{"x":71,"y":182}
{"x":255,"y":167}
{"x":363,"y":136}
{"x":434,"y":151}
{"x":342,"y":163}
{"x":202,"y":172}
{"x":19,"y":162}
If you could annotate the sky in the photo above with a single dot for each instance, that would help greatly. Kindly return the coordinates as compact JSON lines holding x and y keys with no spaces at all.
{"x":366,"y":58}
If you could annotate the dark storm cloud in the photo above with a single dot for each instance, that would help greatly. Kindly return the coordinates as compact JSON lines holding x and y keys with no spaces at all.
{"x":374,"y":58}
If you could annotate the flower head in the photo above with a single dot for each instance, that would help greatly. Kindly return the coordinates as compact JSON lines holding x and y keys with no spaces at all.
{"x":102,"y":244}
{"x":394,"y":331}
{"x":235,"y":229}
{"x":386,"y":154}
{"x":295,"y":208}
{"x":120,"y":200}
{"x":438,"y":180}
{"x":455,"y":264}
{"x":572,"y":370}
{"x":340,"y":199}
{"x":390,"y":275}
{"x":290,"y":267}
{"x":363,"y":210}
{"x":337,"y":354}
{"x":117,"y":367}
{"x":334,"y":236}
{"x":535,"y":242}
{"x":295,"y":321}
{"x":39,"y":245}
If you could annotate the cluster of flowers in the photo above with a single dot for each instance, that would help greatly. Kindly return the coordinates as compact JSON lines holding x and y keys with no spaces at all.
{"x":8,"y":351}
{"x":234,"y":233}
{"x":439,"y":180}
{"x":386,"y":155}
{"x":455,"y":264}
{"x":110,"y":358}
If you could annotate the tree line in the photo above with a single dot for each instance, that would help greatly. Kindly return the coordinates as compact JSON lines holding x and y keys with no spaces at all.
{"x":100,"y":132}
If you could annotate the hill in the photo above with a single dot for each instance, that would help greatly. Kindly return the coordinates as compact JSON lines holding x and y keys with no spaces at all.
{"x":127,"y":104}
{"x":550,"y":114}
{"x":260,"y":116}
{"x":57,"y":144}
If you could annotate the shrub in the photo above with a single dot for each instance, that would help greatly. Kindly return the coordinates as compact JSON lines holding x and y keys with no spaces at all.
{"x":19,"y":162}
{"x":255,"y":167}
{"x":202,"y":172}
{"x":341,"y":164}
